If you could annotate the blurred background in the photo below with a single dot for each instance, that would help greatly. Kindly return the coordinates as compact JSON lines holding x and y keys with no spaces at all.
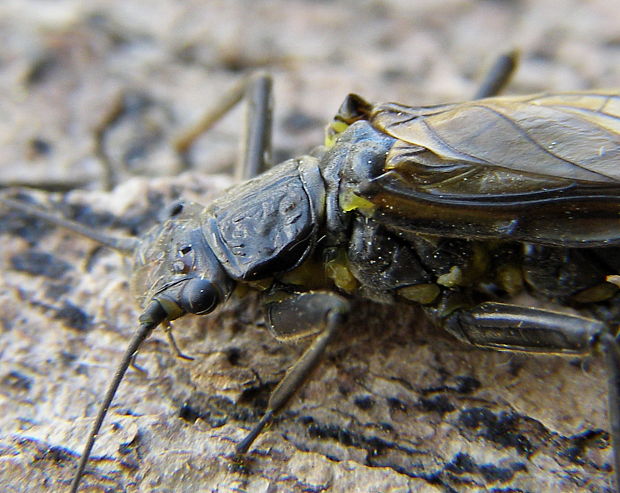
{"x":117,"y":80}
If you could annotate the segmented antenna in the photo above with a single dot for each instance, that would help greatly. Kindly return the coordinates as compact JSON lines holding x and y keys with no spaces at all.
{"x":143,"y":331}
{"x":124,"y":245}
{"x":153,"y":315}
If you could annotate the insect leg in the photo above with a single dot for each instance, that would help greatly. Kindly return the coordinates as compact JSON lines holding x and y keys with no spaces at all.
{"x":114,"y":111}
{"x":256,"y":142}
{"x":499,"y":75}
{"x":256,"y":153}
{"x":293,"y":318}
{"x":518,"y":328}
{"x":612,"y":355}
{"x":173,"y":343}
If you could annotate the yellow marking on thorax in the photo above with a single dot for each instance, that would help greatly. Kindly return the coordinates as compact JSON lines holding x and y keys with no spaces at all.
{"x":349,"y":201}
{"x":337,"y":269}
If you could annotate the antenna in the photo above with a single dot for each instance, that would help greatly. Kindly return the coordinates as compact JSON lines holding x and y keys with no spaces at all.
{"x":124,"y":245}
{"x":151,"y":318}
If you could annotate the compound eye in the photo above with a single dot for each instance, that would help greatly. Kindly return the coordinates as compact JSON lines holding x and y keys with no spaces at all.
{"x":198,"y":296}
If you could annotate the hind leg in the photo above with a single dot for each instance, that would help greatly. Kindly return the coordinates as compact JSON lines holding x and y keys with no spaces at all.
{"x":255,"y":157}
{"x":517,"y":328}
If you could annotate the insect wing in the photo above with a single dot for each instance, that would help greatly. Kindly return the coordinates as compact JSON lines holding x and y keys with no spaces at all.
{"x":573,"y":135}
{"x":540,"y":168}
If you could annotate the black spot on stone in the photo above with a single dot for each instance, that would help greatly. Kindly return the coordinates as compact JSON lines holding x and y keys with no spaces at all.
{"x":68,"y":358}
{"x":578,"y":444}
{"x":125,"y":448}
{"x":375,"y":446}
{"x":73,"y":316}
{"x":474,"y":417}
{"x":57,"y":454}
{"x":502,"y":429}
{"x":19,"y":223}
{"x":439,"y":404}
{"x":396,"y":404}
{"x":233,"y":355}
{"x":386,"y":426}
{"x":494,"y":473}
{"x":364,"y":402}
{"x":344,"y":390}
{"x":188,"y":413}
{"x":257,"y":394}
{"x":40,"y":146}
{"x":17,"y":381}
{"x":466,"y":385}
{"x":87,"y":216}
{"x":39,"y":264}
{"x":41,"y":69}
{"x":462,"y":463}
{"x":214,"y":410}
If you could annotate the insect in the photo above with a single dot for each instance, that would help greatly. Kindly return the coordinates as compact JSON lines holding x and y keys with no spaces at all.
{"x":455,"y":207}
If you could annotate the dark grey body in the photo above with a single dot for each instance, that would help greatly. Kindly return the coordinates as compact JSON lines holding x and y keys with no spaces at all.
{"x":382,"y":218}
{"x":270,"y":225}
{"x":456,"y":207}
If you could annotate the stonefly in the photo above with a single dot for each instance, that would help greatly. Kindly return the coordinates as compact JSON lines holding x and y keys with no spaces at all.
{"x":455,"y":207}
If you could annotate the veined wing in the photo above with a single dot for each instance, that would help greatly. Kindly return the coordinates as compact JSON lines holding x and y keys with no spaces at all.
{"x":543,"y":169}
{"x":571,"y":136}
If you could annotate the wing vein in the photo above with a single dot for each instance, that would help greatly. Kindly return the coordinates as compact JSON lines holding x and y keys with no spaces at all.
{"x":575,"y":110}
{"x":530,"y":139}
{"x":457,"y":152}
